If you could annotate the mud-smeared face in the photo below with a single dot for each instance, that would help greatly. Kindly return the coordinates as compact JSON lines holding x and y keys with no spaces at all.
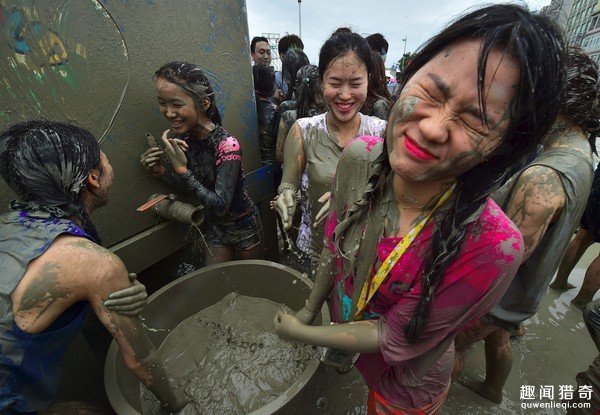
{"x":177,"y":107}
{"x":345,"y":86}
{"x":262,"y":53}
{"x":436,"y":129}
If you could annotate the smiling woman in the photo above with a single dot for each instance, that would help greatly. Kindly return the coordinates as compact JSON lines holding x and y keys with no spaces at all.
{"x":415,"y":250}
{"x":437,"y":131}
{"x":314,"y":145}
{"x":206,"y":162}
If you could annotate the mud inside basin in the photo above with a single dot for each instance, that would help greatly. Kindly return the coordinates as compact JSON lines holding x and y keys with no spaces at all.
{"x":198,"y":290}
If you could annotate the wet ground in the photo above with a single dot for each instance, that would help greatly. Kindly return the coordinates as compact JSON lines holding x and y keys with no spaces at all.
{"x":555,"y":347}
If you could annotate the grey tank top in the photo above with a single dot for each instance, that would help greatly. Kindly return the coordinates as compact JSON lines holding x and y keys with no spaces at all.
{"x":529,"y":286}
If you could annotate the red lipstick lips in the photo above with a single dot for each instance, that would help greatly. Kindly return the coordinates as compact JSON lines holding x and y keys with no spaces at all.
{"x":415,"y":151}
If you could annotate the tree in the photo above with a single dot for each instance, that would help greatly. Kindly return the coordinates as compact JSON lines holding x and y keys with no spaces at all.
{"x":403,"y":61}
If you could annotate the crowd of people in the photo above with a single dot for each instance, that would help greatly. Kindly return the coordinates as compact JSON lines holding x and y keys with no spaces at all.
{"x":430,"y":220}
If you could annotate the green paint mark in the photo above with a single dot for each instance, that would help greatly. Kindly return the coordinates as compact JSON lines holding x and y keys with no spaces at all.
{"x":67,"y":74}
{"x":37,"y":103}
{"x":38,"y":77}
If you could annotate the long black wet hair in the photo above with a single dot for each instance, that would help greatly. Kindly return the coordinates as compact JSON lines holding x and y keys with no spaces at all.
{"x":339,"y":44}
{"x":308,"y":91}
{"x":194,"y":83}
{"x":263,"y":76}
{"x":538,"y":47}
{"x":47,"y":164}
{"x":293,"y":60}
{"x":581,"y":104}
{"x":377,"y":88}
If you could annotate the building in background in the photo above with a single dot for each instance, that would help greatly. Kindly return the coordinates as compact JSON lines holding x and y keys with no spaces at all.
{"x":273,"y":42}
{"x":559,"y":11}
{"x":580,"y":20}
{"x":591,"y":42}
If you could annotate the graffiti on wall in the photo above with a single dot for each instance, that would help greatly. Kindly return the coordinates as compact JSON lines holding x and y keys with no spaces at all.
{"x":63,"y":61}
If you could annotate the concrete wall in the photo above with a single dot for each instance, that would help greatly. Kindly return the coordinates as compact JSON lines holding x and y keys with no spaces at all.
{"x":92,"y":62}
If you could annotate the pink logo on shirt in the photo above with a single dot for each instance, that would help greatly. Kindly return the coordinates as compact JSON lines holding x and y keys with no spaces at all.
{"x":229,"y":145}
{"x":370,"y":141}
{"x":226,"y":148}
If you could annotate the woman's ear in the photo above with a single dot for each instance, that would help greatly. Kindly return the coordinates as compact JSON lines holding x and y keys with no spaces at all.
{"x":93,"y":180}
{"x":206,"y":104}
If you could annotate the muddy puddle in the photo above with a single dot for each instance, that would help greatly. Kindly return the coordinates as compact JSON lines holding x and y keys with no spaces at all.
{"x":556,"y":346}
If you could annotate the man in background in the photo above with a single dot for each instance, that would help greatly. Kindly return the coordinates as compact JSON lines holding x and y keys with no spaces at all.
{"x":260,"y":50}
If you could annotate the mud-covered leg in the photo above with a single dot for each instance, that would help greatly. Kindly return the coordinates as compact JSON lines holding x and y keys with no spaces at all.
{"x":498,"y":364}
{"x":591,"y":284}
{"x":466,"y":339}
{"x":256,"y":252}
{"x":580,"y":243}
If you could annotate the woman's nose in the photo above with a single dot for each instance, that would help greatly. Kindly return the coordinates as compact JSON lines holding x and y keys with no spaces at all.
{"x":435,"y":127}
{"x":345,"y":92}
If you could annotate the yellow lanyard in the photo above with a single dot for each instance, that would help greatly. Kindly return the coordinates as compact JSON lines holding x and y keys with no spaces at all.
{"x":369,"y":289}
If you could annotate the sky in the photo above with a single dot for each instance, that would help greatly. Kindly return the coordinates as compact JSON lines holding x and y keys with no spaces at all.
{"x":415,"y":20}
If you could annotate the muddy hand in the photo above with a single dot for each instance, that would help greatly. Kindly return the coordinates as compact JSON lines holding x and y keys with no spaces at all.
{"x":175,"y":149}
{"x":130,"y":301}
{"x":326,"y":199}
{"x":287,"y":325}
{"x":285,"y":205}
{"x":151,"y":161}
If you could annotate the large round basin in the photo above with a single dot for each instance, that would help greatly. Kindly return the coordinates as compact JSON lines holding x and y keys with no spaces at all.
{"x":200,"y":289}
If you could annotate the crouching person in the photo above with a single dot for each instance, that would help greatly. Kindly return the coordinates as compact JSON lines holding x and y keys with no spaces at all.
{"x":54,"y":269}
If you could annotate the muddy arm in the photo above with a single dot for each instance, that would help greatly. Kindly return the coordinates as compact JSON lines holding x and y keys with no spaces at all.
{"x":356,"y":336}
{"x":72,"y":270}
{"x":217,"y":201}
{"x":139,"y":354}
{"x":538,"y":197}
{"x":294,"y":159}
{"x":176,"y":181}
{"x":281,"y":134}
{"x":321,"y":288}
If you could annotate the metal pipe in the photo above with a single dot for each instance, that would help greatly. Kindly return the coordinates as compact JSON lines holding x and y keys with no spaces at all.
{"x":299,"y":19}
{"x":172,"y":209}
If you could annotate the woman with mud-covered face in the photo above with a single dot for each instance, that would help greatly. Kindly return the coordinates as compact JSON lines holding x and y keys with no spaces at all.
{"x":314,"y":145}
{"x":206,"y":162}
{"x":415,"y":250}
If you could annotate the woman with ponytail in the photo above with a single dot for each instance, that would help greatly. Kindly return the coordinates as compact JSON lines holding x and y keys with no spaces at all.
{"x":206,"y":162}
{"x":415,"y":249}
